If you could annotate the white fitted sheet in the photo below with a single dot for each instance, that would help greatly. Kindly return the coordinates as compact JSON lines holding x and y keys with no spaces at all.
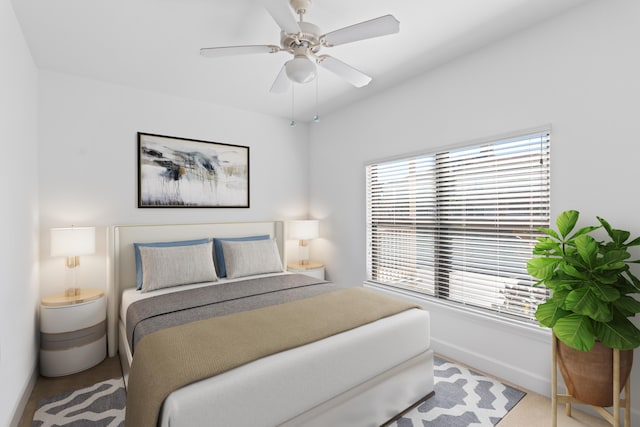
{"x":131,"y":295}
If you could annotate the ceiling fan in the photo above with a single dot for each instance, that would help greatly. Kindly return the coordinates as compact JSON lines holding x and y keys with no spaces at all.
{"x":304,"y":41}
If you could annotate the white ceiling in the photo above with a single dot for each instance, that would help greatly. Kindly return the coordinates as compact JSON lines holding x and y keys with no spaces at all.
{"x":154,"y":44}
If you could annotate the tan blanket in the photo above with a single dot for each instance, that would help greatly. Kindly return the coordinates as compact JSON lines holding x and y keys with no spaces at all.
{"x":172,"y":358}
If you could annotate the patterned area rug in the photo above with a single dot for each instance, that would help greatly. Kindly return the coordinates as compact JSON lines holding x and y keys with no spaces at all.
{"x":101,"y":405}
{"x":463,"y":398}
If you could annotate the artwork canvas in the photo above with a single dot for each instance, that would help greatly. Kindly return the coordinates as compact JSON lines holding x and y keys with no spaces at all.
{"x":177,"y":172}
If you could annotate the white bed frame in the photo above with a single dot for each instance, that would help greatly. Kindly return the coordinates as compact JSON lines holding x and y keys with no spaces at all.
{"x":373,"y":401}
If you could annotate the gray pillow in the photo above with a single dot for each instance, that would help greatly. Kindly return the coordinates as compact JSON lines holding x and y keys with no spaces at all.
{"x":163,"y":267}
{"x":251,"y":257}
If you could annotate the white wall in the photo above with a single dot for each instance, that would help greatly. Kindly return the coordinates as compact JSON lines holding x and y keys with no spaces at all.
{"x":578,"y":72}
{"x":88,"y":162}
{"x":18,"y":185}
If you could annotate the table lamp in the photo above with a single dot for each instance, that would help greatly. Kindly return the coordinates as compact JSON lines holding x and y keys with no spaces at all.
{"x":71,"y":243}
{"x":303,"y":231}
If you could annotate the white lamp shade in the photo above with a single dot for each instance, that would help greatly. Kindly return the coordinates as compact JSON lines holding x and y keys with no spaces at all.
{"x":304,"y":230}
{"x":73,"y":241}
{"x":301,"y":69}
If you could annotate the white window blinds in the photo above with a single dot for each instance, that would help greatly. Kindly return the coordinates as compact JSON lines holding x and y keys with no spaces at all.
{"x":460,"y":224}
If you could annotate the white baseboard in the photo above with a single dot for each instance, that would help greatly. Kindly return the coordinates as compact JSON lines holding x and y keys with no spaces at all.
{"x":497,"y":368}
{"x":24,"y":399}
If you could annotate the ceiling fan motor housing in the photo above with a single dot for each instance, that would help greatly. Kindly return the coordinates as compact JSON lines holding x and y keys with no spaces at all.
{"x":309,"y":37}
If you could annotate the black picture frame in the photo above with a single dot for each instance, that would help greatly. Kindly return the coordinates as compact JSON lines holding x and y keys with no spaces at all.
{"x":176,"y":172}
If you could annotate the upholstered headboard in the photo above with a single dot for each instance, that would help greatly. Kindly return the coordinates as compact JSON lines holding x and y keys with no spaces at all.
{"x":121,"y":266}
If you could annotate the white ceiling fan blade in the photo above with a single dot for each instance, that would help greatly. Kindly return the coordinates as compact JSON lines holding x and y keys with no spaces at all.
{"x":347,"y":72}
{"x":215,"y":52}
{"x":281,"y":84}
{"x":377,"y":27}
{"x":282,"y":13}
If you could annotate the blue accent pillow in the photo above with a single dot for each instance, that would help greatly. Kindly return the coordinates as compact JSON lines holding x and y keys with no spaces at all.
{"x":161,"y":245}
{"x":217,"y":249}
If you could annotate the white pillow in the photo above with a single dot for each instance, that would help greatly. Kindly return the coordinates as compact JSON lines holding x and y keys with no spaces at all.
{"x":251,"y":257}
{"x":163,"y":267}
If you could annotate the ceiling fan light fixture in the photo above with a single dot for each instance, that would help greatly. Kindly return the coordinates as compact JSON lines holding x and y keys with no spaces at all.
{"x":301,"y":69}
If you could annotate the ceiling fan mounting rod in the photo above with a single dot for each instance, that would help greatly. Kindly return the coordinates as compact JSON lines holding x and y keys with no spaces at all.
{"x":300,"y":6}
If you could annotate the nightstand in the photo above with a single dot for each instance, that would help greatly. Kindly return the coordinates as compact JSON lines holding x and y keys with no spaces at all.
{"x":72,"y":332}
{"x":313,"y":269}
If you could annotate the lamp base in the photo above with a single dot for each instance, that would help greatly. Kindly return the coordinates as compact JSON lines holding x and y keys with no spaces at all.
{"x":71,"y":292}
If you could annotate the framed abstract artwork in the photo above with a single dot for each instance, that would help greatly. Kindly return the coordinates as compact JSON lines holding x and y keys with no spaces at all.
{"x":188,"y":173}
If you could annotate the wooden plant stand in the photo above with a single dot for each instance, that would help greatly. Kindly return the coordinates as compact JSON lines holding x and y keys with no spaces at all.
{"x":567,"y":399}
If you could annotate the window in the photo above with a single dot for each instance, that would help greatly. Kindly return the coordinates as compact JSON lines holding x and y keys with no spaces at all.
{"x":460,"y":224}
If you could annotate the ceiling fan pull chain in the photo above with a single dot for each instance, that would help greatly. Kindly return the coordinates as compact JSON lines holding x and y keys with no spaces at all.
{"x":316,"y":118}
{"x":293,"y":121}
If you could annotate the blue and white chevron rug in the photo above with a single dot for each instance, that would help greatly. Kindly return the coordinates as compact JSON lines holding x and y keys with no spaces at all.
{"x":463,"y":398}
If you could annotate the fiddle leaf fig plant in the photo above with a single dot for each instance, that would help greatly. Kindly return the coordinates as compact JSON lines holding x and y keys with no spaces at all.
{"x":591,"y":282}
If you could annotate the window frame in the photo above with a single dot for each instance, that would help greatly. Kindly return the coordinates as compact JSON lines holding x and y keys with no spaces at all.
{"x":522,"y":291}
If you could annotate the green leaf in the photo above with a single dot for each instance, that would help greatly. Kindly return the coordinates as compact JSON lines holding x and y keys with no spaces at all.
{"x":604,"y":292}
{"x":575,"y":331}
{"x":584,"y":301}
{"x":587,"y":249}
{"x":549,"y":232}
{"x":584,"y":230}
{"x":560,"y":295}
{"x":627,"y":305}
{"x":620,"y":333}
{"x":606,"y":225}
{"x":566,"y":221}
{"x":573,"y":258}
{"x":619,"y":265}
{"x":545,"y":245}
{"x":542,"y":268}
{"x":571,"y":271}
{"x":606,"y":279}
{"x":618,"y":236}
{"x":616,"y":255}
{"x":625,"y":286}
{"x":562,"y":285}
{"x":549,"y":312}
{"x":634,"y":280}
{"x":634,"y":242}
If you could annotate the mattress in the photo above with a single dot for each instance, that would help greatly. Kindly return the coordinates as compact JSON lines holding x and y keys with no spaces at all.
{"x":252,"y":395}
{"x":392,"y":350}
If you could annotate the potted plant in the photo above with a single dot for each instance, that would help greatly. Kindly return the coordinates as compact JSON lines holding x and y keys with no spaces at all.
{"x":591,"y":303}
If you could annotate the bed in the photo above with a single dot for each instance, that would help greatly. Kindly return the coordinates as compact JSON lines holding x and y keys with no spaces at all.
{"x":360,"y":376}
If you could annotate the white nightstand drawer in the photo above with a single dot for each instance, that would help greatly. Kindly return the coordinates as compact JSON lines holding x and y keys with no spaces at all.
{"x":56,"y":363}
{"x":57,"y":319}
{"x":72,"y":332}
